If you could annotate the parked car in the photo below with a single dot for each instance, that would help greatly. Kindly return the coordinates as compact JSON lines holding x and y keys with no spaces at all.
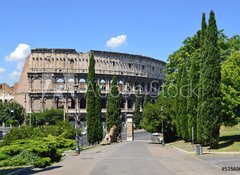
{"x":157,"y":137}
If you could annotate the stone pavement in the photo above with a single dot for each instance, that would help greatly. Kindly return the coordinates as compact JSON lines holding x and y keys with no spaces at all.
{"x":140,"y":158}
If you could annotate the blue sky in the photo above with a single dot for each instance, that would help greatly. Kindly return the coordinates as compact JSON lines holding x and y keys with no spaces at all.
{"x":153,"y":28}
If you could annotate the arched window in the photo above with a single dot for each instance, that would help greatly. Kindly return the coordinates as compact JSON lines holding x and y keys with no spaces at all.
{"x":71,"y":103}
{"x":103,"y":103}
{"x":120,"y":85}
{"x":60,"y":103}
{"x":82,"y":84}
{"x":103,"y":85}
{"x":130,"y":103}
{"x":83,"y":103}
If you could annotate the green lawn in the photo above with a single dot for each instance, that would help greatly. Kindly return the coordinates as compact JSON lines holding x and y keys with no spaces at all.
{"x":229,"y":141}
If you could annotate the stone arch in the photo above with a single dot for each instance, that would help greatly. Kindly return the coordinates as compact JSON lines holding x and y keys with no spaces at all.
{"x":122,"y":103}
{"x":60,"y":84}
{"x":137,"y":86}
{"x":103,"y":84}
{"x":120,"y":85}
{"x":82,"y":84}
{"x":82,"y":103}
{"x":60,"y":103}
{"x":71,"y":84}
{"x":47,"y":84}
{"x":70,"y":103}
{"x":143,"y":86}
{"x":148,"y":87}
{"x":128,"y":86}
{"x":130,"y":103}
{"x":48,"y":103}
{"x":103,"y":103}
{"x":37,"y":106}
{"x":36,"y":84}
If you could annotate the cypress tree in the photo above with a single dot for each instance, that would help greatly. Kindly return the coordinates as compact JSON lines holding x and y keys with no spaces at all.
{"x":113,"y":107}
{"x":200,"y":96}
{"x":178,"y":103}
{"x":137,"y":114}
{"x":183,"y":105}
{"x":192,"y":104}
{"x":145,"y":101}
{"x":91,"y":129}
{"x":211,"y":79}
{"x":98,"y":115}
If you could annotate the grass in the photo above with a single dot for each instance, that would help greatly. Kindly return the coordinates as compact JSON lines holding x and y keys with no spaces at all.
{"x":229,"y":141}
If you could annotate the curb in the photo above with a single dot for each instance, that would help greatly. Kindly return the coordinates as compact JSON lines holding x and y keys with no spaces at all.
{"x":181,"y":150}
{"x":192,"y":152}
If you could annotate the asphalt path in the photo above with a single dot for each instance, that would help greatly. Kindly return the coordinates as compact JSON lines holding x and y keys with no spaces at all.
{"x":140,"y":157}
{"x":139,"y":135}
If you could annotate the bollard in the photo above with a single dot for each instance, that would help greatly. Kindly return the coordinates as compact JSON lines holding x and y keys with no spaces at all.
{"x":199,"y":149}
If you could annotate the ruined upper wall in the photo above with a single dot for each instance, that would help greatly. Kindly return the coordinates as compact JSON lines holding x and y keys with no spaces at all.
{"x":68,"y":60}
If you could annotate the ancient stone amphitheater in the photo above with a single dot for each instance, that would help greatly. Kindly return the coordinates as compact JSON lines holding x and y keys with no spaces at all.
{"x":49,"y":76}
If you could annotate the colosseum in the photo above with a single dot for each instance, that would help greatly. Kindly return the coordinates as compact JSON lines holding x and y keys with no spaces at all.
{"x":50,"y":75}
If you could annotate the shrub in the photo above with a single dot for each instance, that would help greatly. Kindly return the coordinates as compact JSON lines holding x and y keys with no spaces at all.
{"x":32,"y":152}
{"x":63,"y":129}
{"x":44,"y":162}
{"x":3,"y":156}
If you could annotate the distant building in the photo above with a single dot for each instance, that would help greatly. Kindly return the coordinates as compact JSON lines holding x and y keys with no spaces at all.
{"x":48,"y":77}
{"x":5,"y":93}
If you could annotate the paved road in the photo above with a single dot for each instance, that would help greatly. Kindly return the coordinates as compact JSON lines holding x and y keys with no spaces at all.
{"x":140,"y":158}
{"x":138,"y":135}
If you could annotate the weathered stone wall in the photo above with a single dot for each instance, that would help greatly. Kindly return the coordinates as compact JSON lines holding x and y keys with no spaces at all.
{"x":48,"y":77}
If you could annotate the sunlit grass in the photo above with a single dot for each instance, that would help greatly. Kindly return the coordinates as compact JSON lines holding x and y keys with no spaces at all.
{"x":229,"y":141}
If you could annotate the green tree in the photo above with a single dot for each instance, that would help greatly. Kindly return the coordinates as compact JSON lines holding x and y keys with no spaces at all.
{"x":91,"y":119}
{"x":230,"y":89}
{"x":48,"y":116}
{"x":98,"y":111}
{"x":192,"y":101}
{"x":151,"y":118}
{"x":146,"y":100}
{"x":137,"y":114}
{"x":211,"y":80}
{"x":11,"y":113}
{"x":200,"y":95}
{"x":113,"y":106}
{"x":183,"y":105}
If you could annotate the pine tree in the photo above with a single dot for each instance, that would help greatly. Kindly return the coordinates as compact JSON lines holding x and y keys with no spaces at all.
{"x":200,"y":96}
{"x":91,"y":129}
{"x":211,"y":79}
{"x":98,"y":115}
{"x":137,"y":114}
{"x":113,"y":107}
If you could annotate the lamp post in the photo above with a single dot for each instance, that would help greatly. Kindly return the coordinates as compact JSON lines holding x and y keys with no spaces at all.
{"x":163,"y":143}
{"x":75,"y":86}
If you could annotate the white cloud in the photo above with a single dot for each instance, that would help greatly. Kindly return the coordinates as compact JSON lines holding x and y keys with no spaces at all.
{"x":14,"y":75}
{"x":117,"y":41}
{"x":19,"y":54}
{"x":2,"y":70}
{"x":20,"y":65}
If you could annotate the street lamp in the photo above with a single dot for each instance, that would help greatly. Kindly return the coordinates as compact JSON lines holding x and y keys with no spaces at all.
{"x":163,"y":144}
{"x":75,"y":86}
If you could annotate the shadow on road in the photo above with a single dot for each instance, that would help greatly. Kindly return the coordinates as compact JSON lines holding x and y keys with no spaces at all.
{"x":228,"y":140}
{"x":34,"y":171}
